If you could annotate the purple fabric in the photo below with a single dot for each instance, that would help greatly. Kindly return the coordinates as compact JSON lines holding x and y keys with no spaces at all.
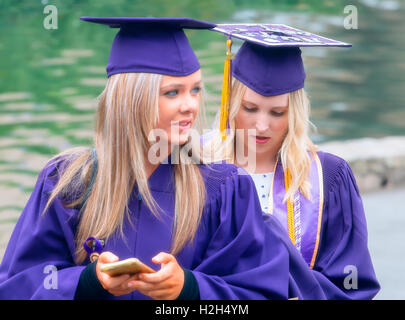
{"x":151,"y":45}
{"x":234,"y":255}
{"x":303,"y":282}
{"x":269,"y":71}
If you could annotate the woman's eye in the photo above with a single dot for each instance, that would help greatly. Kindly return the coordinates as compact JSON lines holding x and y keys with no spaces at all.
{"x":171,"y":93}
{"x":196,"y":90}
{"x":249,"y":109}
{"x":277,"y":114}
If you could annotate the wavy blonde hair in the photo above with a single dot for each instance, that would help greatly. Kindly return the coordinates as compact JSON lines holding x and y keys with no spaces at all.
{"x":128,"y":110}
{"x":297,"y":149}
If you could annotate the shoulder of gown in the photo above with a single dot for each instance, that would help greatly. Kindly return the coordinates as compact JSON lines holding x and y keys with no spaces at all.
{"x":24,"y":268}
{"x":343,"y":260}
{"x":216,"y":174}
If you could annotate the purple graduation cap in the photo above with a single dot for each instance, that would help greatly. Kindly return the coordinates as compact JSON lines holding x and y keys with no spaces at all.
{"x":269,"y":62}
{"x":151,"y":45}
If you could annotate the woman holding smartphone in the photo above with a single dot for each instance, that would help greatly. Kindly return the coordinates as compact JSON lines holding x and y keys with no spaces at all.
{"x":200,"y":222}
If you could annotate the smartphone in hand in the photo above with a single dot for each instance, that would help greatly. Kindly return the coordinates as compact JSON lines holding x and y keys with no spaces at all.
{"x":128,"y":266}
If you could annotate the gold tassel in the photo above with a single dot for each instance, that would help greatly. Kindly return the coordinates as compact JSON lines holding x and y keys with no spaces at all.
{"x":290,"y":208}
{"x":226,"y":91}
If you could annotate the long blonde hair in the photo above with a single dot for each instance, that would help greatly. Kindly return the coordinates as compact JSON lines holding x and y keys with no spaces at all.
{"x":293,"y":153}
{"x":127,"y":111}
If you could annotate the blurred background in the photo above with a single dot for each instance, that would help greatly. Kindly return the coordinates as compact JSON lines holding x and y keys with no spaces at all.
{"x":50,"y":79}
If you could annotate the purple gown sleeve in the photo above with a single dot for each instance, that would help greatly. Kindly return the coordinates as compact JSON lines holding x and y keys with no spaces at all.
{"x":38,"y":262}
{"x":303,"y":283}
{"x":243,"y":259}
{"x":343,"y":266}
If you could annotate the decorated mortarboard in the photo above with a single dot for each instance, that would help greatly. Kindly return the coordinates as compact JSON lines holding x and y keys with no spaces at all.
{"x":269,"y":61}
{"x":151,"y":45}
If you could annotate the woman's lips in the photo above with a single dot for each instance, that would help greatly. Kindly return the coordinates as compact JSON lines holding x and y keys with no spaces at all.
{"x":261,"y":140}
{"x":184,"y":125}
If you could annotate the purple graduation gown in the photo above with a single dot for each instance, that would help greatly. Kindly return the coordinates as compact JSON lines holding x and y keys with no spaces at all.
{"x":234,"y":255}
{"x":343,"y":249}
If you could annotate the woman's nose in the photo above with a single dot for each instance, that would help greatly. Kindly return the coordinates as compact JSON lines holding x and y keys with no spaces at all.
{"x":261,"y":124}
{"x":189,"y":104}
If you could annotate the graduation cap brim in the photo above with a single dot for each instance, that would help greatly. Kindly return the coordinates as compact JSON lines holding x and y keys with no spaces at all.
{"x":180,"y":23}
{"x":277,"y":35}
